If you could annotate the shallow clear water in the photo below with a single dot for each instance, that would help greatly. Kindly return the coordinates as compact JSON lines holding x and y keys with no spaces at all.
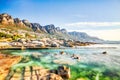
{"x":93,"y":65}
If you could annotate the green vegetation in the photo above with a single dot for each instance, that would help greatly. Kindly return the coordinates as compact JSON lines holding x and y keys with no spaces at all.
{"x":91,"y":74}
{"x":5,"y":35}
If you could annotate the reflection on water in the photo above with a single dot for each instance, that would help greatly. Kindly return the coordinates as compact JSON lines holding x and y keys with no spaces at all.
{"x":92,"y":64}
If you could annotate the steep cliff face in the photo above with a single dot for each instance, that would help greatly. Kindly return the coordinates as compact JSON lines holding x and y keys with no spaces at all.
{"x":50,"y":29}
{"x":38,"y":27}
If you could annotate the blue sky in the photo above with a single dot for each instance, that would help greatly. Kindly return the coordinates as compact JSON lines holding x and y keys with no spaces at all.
{"x":80,"y":15}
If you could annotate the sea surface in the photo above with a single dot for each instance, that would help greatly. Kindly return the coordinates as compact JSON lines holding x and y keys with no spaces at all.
{"x":92,"y":65}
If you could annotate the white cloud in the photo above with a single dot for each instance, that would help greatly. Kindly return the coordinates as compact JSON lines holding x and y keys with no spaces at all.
{"x":85,"y":25}
{"x":103,"y":30}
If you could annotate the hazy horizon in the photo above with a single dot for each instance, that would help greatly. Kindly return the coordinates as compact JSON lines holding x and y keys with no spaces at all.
{"x":100,"y":18}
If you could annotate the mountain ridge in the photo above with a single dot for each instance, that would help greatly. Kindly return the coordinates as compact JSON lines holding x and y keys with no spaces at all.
{"x":51,"y":29}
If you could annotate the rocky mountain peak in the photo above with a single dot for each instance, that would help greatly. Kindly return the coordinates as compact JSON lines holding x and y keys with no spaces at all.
{"x":6,"y":19}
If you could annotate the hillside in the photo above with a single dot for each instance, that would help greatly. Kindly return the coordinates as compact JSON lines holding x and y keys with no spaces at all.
{"x":15,"y":28}
{"x":15,"y":25}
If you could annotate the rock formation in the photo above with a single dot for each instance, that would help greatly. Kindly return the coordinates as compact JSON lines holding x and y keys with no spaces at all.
{"x":64,"y":31}
{"x":50,"y":29}
{"x":6,"y":62}
{"x":18,"y":22}
{"x":6,"y":19}
{"x":27,"y":23}
{"x":38,"y":27}
{"x":32,"y":73}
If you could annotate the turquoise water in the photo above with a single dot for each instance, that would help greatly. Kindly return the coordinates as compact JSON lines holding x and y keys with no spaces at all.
{"x":93,"y":65}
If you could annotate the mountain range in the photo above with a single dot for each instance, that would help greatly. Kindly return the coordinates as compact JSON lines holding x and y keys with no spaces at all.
{"x":7,"y":21}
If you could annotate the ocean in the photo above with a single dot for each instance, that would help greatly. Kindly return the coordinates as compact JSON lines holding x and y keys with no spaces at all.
{"x":91,"y":65}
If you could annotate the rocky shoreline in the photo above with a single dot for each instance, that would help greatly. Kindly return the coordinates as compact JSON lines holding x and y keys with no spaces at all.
{"x":45,"y":43}
{"x":29,"y":72}
{"x":6,"y":62}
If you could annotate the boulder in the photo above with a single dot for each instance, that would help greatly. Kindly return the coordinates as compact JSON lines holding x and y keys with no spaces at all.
{"x":62,"y":52}
{"x":75,"y":57}
{"x":104,"y":52}
{"x":64,"y":71}
{"x":54,"y":44}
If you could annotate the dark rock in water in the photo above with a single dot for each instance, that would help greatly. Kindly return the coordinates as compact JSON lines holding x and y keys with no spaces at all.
{"x":75,"y":57}
{"x":104,"y":52}
{"x":62,"y":52}
{"x":64,"y":72}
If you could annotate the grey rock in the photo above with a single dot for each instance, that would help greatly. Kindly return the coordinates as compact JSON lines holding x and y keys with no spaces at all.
{"x":64,"y":31}
{"x":50,"y":29}
{"x":38,"y":27}
{"x":27,"y":23}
